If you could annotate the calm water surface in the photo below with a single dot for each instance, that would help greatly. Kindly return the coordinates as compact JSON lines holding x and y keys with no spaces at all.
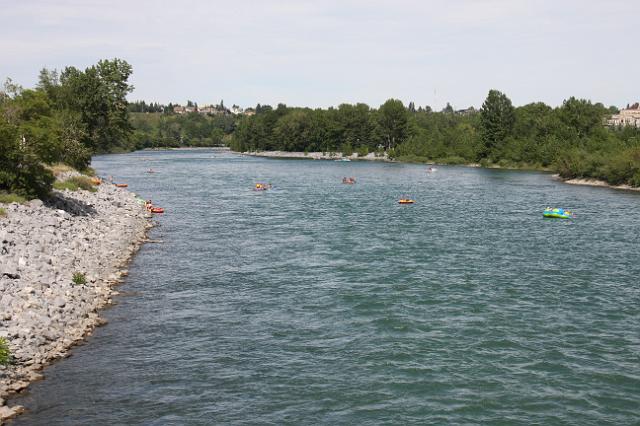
{"x":324,"y":303}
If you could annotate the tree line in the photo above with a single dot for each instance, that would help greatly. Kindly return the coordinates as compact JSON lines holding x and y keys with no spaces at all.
{"x":160,"y":130}
{"x":68,"y":117}
{"x":571,"y":139}
{"x":73,"y":114}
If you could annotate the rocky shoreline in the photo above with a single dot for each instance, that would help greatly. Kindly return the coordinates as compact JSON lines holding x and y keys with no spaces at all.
{"x":42,"y":312}
{"x":373,"y":157}
{"x":596,"y":182}
{"x":316,"y":155}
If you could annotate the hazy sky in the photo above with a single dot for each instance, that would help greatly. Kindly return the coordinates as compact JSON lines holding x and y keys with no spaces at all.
{"x":322,"y":53}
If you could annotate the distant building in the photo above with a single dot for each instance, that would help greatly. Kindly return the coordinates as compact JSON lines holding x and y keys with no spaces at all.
{"x":469,"y":111}
{"x":627,"y":117}
{"x":213,"y":110}
{"x":207,"y":109}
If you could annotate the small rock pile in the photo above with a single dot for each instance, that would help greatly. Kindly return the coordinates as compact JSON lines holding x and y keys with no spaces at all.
{"x":42,"y":312}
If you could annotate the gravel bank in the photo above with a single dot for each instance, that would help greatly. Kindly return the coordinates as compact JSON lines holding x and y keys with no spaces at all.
{"x":42,"y":313}
{"x":316,"y":155}
{"x":595,"y":182}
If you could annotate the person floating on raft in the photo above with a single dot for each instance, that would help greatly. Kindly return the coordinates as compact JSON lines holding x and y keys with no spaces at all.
{"x":262,"y":187}
{"x":558,"y":213}
{"x":151,"y":208}
{"x":349,"y":180}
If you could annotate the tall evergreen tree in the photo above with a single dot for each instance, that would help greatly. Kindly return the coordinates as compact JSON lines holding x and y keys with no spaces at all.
{"x":497,"y":119}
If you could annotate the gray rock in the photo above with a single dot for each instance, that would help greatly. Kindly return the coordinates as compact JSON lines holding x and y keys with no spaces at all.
{"x":41,"y":312}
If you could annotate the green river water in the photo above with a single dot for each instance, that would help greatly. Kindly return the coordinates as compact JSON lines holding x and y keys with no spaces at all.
{"x":323,"y":303}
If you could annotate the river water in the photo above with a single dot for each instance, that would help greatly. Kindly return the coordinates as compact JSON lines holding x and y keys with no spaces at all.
{"x":323,"y":303}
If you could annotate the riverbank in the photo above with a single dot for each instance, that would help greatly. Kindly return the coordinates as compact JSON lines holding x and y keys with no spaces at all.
{"x":595,"y":182}
{"x":316,"y":155}
{"x":42,"y":312}
{"x":373,"y":157}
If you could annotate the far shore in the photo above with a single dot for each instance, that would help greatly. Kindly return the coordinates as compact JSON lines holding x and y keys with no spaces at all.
{"x":385,"y":158}
{"x":186,"y":148}
{"x":595,"y":182}
{"x":317,"y":155}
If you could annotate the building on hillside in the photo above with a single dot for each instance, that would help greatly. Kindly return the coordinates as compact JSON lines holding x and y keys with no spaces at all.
{"x":469,"y":111}
{"x":191,"y":109}
{"x":207,"y":109}
{"x":235,"y":110}
{"x":627,"y":117}
{"x":249,"y":111}
{"x":178,"y":109}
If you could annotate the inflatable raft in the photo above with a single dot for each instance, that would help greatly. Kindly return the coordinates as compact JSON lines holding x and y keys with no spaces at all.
{"x":557,"y":213}
{"x":406,"y":201}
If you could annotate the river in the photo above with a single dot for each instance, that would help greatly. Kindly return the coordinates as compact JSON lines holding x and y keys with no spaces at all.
{"x":324,"y":303}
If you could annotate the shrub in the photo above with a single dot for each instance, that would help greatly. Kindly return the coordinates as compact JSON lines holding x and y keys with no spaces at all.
{"x":346,"y":149}
{"x":75,"y":183}
{"x":363,"y":151}
{"x":454,"y":159}
{"x":8,"y":198}
{"x":59,"y":168}
{"x":79,"y":278}
{"x":391,"y":154}
{"x":3,"y":212}
{"x":21,"y":171}
{"x":5,"y":354}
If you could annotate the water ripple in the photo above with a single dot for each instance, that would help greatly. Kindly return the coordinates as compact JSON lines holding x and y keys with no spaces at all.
{"x":319,"y":302}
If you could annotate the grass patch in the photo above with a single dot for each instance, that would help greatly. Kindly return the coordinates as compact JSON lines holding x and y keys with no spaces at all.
{"x":79,"y":278}
{"x":75,"y":183}
{"x":5,"y":354}
{"x":8,"y":198}
{"x":3,"y":212}
{"x":59,"y":168}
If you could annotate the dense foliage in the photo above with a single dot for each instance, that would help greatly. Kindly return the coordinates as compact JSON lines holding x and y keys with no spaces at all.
{"x":68,"y":117}
{"x":570,"y":139}
{"x":73,"y":114}
{"x":156,"y":130}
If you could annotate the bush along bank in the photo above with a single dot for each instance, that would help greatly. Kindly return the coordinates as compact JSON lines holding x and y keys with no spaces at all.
{"x":58,"y":262}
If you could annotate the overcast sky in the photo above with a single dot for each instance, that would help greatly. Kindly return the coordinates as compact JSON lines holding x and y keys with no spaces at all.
{"x":323,"y":53}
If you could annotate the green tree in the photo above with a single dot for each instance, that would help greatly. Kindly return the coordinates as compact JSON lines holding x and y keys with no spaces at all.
{"x":497,"y":119}
{"x":98,"y":94}
{"x":393,"y":121}
{"x":582,"y":115}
